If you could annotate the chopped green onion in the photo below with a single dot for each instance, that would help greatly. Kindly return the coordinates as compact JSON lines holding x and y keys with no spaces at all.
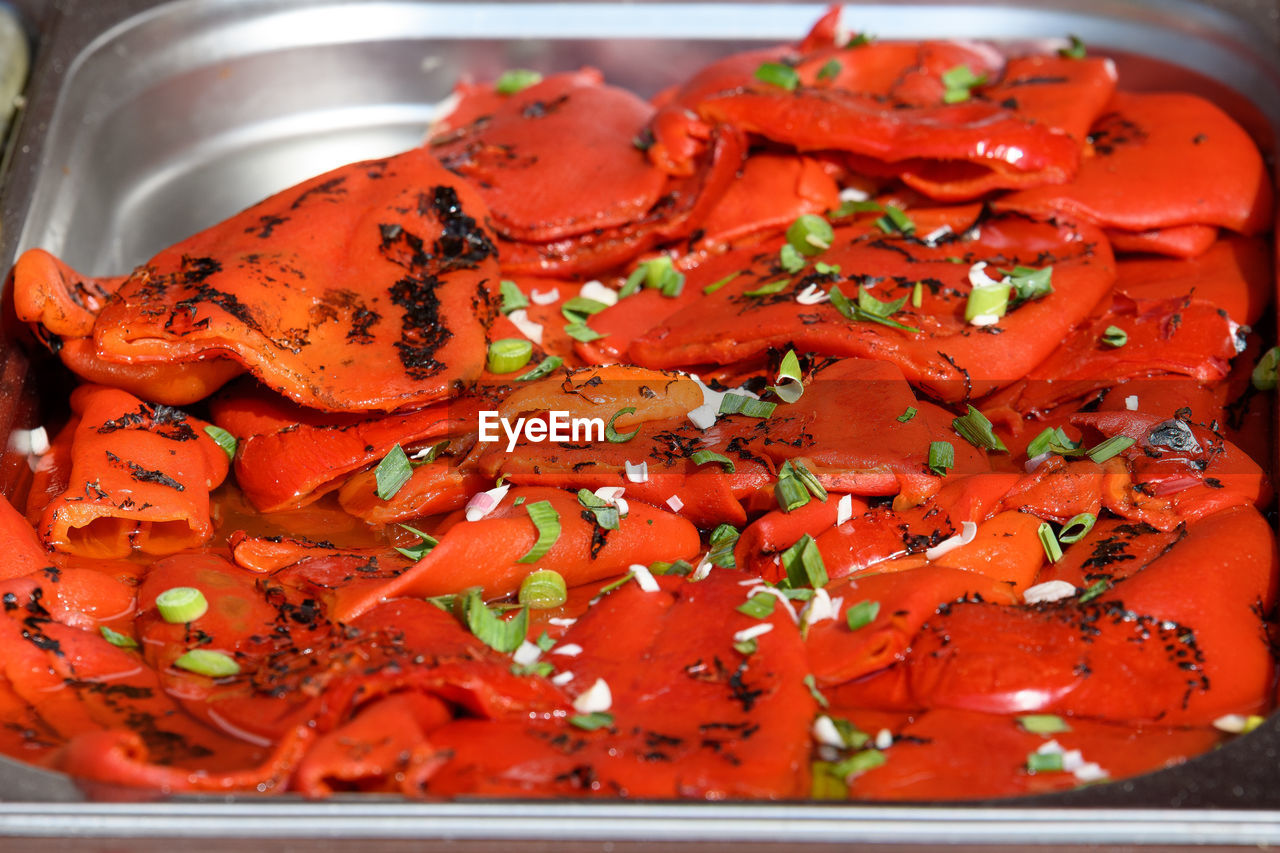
{"x":942,"y":457}
{"x":543,"y":590}
{"x":615,"y":437}
{"x":739,"y":404}
{"x":702,"y":457}
{"x":660,"y":274}
{"x":1115,"y":337}
{"x":507,"y":355}
{"x":1054,"y":440}
{"x":1049,"y":542}
{"x":860,"y":39}
{"x":422,"y":549}
{"x":895,"y":221}
{"x":758,"y":606}
{"x":547,"y":520}
{"x":1095,"y":590}
{"x":875,"y":307}
{"x":747,"y":648}
{"x":606,"y":514}
{"x":207,"y":662}
{"x":719,"y":283}
{"x":579,"y":308}
{"x":503,"y":635}
{"x":722,"y":540}
{"x":1111,"y":447}
{"x":917,"y":295}
{"x":862,"y":614}
{"x":548,"y":364}
{"x":1264,"y":375}
{"x":987,"y":301}
{"x":830,"y":71}
{"x":1075,"y":51}
{"x":803,"y":563}
{"x":789,"y":259}
{"x":392,"y":473}
{"x":634,"y":282}
{"x":790,"y":385}
{"x":1029,"y":283}
{"x":857,"y":313}
{"x":790,"y":494}
{"x":859,"y":762}
{"x":958,"y":82}
{"x":810,"y":234}
{"x":515,"y":80}
{"x":826,"y":269}
{"x":115,"y":638}
{"x":810,"y":682}
{"x":591,"y":722}
{"x":683,"y":568}
{"x":1044,"y":762}
{"x":181,"y":604}
{"x":907,"y":415}
{"x":768,"y":289}
{"x":797,"y":469}
{"x":582,"y":332}
{"x":223,"y":439}
{"x":976,"y":429}
{"x":777,"y":74}
{"x":539,"y":667}
{"x":618,"y":584}
{"x":513,"y":299}
{"x":545,"y":642}
{"x":826,"y":785}
{"x":1043,"y":724}
{"x":848,"y":208}
{"x":1077,"y":528}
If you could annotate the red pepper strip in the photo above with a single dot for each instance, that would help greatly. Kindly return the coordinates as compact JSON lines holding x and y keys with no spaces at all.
{"x":272,"y":288}
{"x":962,"y":755}
{"x":772,"y":191}
{"x":486,"y":553}
{"x":599,"y":392}
{"x":80,"y":597}
{"x":292,"y":468}
{"x":1162,"y":654}
{"x":594,"y":252}
{"x":887,"y":690}
{"x":1066,"y":95}
{"x":268,"y":554}
{"x":1058,"y":490}
{"x":1162,"y":485}
{"x":698,"y":720}
{"x":106,"y":762}
{"x":874,"y":453}
{"x":384,"y":749}
{"x":1005,"y":549}
{"x":247,"y":408}
{"x":879,"y":535}
{"x":56,"y":300}
{"x":1113,"y":550}
{"x":557,"y":159}
{"x":23,"y":552}
{"x":140,"y":478}
{"x":1187,"y":337}
{"x":52,"y":475}
{"x":906,"y":599}
{"x":1179,"y":241}
{"x":554,"y":339}
{"x":24,"y":735}
{"x":948,"y":358}
{"x":1235,"y":274}
{"x":775,"y":531}
{"x":474,"y":101}
{"x":1137,"y":145}
{"x":1163,"y":395}
{"x":434,"y":488}
{"x":170,"y":383}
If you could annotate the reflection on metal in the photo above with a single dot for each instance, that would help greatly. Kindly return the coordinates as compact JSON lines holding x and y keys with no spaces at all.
{"x":14,"y":60}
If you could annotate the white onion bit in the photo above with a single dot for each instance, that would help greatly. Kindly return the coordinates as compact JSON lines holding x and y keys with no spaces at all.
{"x":884,"y":739}
{"x":483,"y":503}
{"x":825,"y":732}
{"x":675,"y":503}
{"x":613,"y":495}
{"x":1036,"y":461}
{"x":968,"y":530}
{"x":1048,"y":591}
{"x":1131,"y":402}
{"x":853,"y":194}
{"x":844,"y":509}
{"x":563,"y":678}
{"x":776,"y":593}
{"x":644,"y":578}
{"x":1230,"y":723}
{"x":531,"y":330}
{"x":561,"y":621}
{"x":751,"y":633}
{"x":538,"y":297}
{"x":637,"y":473}
{"x":812,"y":295}
{"x":569,"y":650}
{"x":595,"y":698}
{"x":703,"y":569}
{"x":597,"y":291}
{"x":527,"y":653}
{"x":820,"y":608}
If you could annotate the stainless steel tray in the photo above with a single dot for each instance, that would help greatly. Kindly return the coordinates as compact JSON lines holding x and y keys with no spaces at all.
{"x":146,"y":122}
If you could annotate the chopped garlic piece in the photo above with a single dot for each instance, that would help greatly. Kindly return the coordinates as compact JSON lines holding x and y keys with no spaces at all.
{"x":752,"y":632}
{"x":595,"y":698}
{"x":569,"y":650}
{"x":1048,"y":591}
